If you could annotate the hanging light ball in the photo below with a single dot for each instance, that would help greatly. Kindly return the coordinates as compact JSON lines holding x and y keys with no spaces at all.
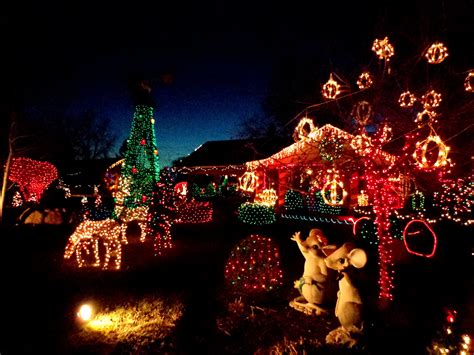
{"x":365,"y":81}
{"x":437,"y":53}
{"x":331,"y":89}
{"x":469,"y":82}
{"x":407,"y":99}
{"x":425,"y":118}
{"x":303,"y":129}
{"x":422,"y":149}
{"x":383,"y":48}
{"x":431,"y":100}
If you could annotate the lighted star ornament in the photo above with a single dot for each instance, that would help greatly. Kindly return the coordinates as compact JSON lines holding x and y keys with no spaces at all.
{"x":431,"y":100}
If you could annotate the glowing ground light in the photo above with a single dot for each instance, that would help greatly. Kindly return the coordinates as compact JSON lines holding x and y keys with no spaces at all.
{"x":417,"y":232}
{"x":85,"y":312}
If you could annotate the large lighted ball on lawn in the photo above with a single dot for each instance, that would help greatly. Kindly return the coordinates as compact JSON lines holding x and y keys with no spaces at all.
{"x":85,"y":312}
{"x":254,"y":266}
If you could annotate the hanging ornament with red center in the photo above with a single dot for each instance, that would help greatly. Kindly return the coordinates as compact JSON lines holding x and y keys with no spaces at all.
{"x":134,"y":170}
{"x":333,"y":192}
{"x":431,"y":100}
{"x":331,"y":88}
{"x":383,"y":48}
{"x":365,"y":81}
{"x":436,"y":53}
{"x":423,"y":156}
{"x":469,"y":82}
{"x":407,"y":99}
{"x":143,"y":141}
{"x":248,"y":181}
{"x":425,"y":118}
{"x":303,"y":129}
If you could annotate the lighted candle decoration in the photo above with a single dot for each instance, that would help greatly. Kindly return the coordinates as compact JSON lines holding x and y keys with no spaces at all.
{"x":254,"y":266}
{"x":436,"y":53}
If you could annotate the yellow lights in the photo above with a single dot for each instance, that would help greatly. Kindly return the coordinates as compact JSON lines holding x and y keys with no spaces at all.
{"x":331,"y":89}
{"x":407,"y":99}
{"x":304,"y":128}
{"x":248,"y":181}
{"x":362,"y":112}
{"x":267,"y":197}
{"x":431,"y":100}
{"x":437,"y":53}
{"x":84,"y":242}
{"x":85,"y":312}
{"x":362,"y":144}
{"x":362,"y":199}
{"x":155,"y":152}
{"x":425,"y":117}
{"x":334,"y":187}
{"x":383,"y":48}
{"x":365,"y":81}
{"x":152,"y":121}
{"x":469,"y":82}
{"x":422,"y":149}
{"x":138,"y":214}
{"x":466,"y":339}
{"x":309,"y":171}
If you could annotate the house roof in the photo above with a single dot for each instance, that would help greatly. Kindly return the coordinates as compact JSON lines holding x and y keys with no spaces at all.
{"x":307,"y":151}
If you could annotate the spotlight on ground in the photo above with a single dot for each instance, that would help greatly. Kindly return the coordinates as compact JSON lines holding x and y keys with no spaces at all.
{"x":85,"y":312}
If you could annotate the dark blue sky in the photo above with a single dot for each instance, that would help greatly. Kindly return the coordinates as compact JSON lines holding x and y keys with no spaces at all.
{"x":77,"y":57}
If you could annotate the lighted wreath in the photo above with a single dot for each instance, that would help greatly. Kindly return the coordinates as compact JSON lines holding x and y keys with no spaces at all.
{"x":436,"y":53}
{"x":383,"y":48}
{"x":407,"y":99}
{"x":331,"y":89}
{"x":421,"y":151}
{"x":362,"y":112}
{"x":365,"y":80}
{"x":431,"y":100}
{"x":331,"y":148}
{"x":303,"y":129}
{"x":248,"y":181}
{"x":335,"y":189}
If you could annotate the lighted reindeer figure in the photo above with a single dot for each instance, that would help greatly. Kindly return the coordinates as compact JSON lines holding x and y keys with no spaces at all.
{"x":86,"y":238}
{"x":139,"y":214}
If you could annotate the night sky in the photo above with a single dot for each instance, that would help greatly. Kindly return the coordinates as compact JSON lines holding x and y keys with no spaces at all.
{"x":77,"y":57}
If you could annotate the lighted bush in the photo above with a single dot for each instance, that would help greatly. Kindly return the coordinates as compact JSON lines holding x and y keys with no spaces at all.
{"x":254,"y":266}
{"x":256,"y":214}
{"x":293,"y":201}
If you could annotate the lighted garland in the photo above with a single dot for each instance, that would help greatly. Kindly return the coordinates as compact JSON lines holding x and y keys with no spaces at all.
{"x":293,"y":200}
{"x":248,"y":182}
{"x":84,"y":242}
{"x":303,"y":129}
{"x":383,"y":49}
{"x":256,"y":214}
{"x":331,"y":147}
{"x":32,"y":176}
{"x":436,"y":53}
{"x":420,"y":154}
{"x":331,"y":89}
{"x":406,"y":99}
{"x":254,"y":266}
{"x":417,"y":200}
{"x":431,"y":100}
{"x":365,"y":81}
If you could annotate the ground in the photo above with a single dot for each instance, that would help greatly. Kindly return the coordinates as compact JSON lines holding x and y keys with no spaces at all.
{"x":179,"y":302}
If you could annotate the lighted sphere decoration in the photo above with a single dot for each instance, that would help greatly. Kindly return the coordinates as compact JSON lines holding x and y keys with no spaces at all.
{"x":267,"y":197}
{"x":383,"y":48}
{"x":334,"y":187}
{"x":32,"y":176}
{"x":421,"y":151}
{"x":418,"y":233}
{"x":248,"y":181}
{"x":469,"y":82}
{"x":365,"y":81}
{"x":253,"y":266}
{"x":406,"y":99}
{"x":331,"y":89}
{"x":425,"y":117}
{"x":362,"y":112}
{"x":436,"y":53}
{"x":303,"y":129}
{"x":256,"y":214}
{"x":431,"y":100}
{"x":181,"y":190}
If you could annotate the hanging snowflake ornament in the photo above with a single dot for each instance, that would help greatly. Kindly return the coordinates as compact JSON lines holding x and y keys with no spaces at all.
{"x":365,"y":81}
{"x":436,"y":53}
{"x":362,"y":112}
{"x":431,"y":100}
{"x":407,"y":99}
{"x":469,"y":82}
{"x":425,"y":118}
{"x":303,"y":129}
{"x":421,"y":152}
{"x":383,"y":48}
{"x":331,"y":89}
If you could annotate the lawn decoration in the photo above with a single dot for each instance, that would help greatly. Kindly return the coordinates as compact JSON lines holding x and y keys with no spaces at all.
{"x":248,"y":182}
{"x":315,"y":286}
{"x":365,"y":81}
{"x":383,"y":48}
{"x":267,"y":197}
{"x":84,"y":242}
{"x":415,"y":229}
{"x":32,"y":176}
{"x":349,"y":306}
{"x":138,"y":214}
{"x":331,"y":88}
{"x":254,"y":266}
{"x":407,"y":99}
{"x":437,"y":53}
{"x":293,"y":200}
